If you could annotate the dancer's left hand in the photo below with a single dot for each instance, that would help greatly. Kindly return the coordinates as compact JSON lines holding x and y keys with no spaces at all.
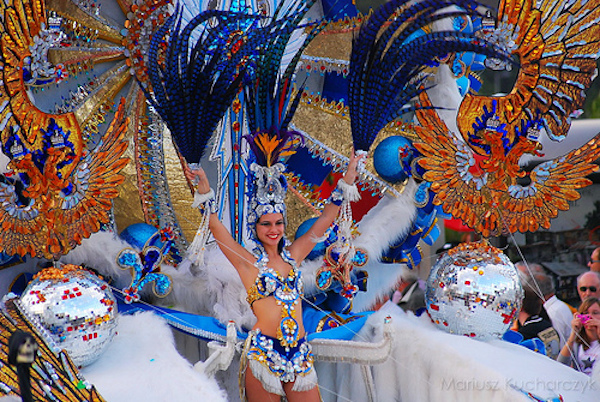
{"x":351,"y":173}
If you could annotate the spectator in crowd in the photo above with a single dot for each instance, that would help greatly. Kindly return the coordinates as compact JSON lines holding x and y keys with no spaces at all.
{"x":588,"y":285}
{"x":558,"y":312}
{"x":582,"y":349}
{"x":594,"y":262}
{"x":409,"y":295}
{"x":526,"y":270}
{"x":531,"y":325}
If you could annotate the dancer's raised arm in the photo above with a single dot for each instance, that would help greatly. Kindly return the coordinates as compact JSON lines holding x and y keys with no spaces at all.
{"x":204,"y":197}
{"x":346,"y":189}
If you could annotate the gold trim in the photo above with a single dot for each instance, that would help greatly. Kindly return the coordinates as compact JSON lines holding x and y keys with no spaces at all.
{"x":69,"y":10}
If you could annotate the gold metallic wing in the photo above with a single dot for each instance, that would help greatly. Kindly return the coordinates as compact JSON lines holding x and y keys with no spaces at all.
{"x":491,"y":201}
{"x":53,"y":227}
{"x":68,"y":187}
{"x":557,"y":44}
{"x":95,"y":184}
{"x":553,"y":184}
{"x":21,"y":226}
{"x":459,"y":182}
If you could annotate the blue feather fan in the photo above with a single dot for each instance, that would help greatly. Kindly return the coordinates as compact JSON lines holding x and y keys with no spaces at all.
{"x":268,"y":91}
{"x":195,"y":79}
{"x":388,"y":60}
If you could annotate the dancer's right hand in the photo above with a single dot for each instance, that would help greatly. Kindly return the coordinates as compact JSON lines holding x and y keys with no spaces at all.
{"x":197,"y":176}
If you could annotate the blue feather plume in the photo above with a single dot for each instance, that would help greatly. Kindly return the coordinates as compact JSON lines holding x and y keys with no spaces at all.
{"x":194,"y":80}
{"x":388,"y":60}
{"x":268,"y":91}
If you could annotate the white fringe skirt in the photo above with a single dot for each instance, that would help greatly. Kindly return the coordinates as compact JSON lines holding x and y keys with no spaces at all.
{"x":272,"y":364}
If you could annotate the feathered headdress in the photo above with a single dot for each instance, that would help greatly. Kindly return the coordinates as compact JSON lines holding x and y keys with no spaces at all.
{"x":271,"y":104}
{"x":268,"y":188}
{"x":195,"y":73}
{"x":390,"y":54}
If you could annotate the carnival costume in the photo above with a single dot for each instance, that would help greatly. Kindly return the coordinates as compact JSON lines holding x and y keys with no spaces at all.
{"x":286,"y":358}
{"x":270,"y":104}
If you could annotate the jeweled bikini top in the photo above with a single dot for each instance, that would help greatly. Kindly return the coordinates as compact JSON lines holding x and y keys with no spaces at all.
{"x":287,"y":291}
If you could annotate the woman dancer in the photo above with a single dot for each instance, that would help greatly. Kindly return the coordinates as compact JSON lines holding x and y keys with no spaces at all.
{"x":279,"y":358}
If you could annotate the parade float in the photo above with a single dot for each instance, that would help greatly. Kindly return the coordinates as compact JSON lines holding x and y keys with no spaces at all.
{"x":96,"y":216}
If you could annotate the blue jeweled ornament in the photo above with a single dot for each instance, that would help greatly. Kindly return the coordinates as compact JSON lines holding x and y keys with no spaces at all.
{"x":392,"y":159}
{"x":145,"y":264}
{"x":324,"y":279}
{"x":138,"y":234}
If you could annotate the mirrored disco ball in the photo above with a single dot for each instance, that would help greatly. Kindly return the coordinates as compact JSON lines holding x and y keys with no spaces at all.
{"x":75,"y":308}
{"x":474,"y":290}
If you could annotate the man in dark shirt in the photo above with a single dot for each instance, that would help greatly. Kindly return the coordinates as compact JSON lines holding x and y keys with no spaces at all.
{"x":532,"y":325}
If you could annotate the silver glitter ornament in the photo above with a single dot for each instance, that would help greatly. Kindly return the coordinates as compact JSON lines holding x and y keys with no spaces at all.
{"x":474,"y":290}
{"x":75,"y":308}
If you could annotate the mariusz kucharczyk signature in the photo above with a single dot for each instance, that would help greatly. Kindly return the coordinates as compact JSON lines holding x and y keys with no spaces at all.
{"x":529,"y":385}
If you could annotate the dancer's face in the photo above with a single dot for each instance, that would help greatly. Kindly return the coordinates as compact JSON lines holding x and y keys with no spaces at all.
{"x":270,"y":228}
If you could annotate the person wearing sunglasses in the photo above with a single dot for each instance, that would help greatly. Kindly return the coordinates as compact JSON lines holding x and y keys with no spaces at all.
{"x":594,"y":262}
{"x":588,"y":285}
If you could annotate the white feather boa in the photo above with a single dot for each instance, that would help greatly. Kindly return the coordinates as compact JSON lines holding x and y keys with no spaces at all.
{"x":142,"y":364}
{"x":100,"y":252}
{"x":428,"y":364}
{"x":381,"y":227}
{"x":215,"y":289}
{"x":387,"y":222}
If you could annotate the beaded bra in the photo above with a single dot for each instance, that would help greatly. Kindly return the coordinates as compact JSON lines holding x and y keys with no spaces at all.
{"x":287,"y":291}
